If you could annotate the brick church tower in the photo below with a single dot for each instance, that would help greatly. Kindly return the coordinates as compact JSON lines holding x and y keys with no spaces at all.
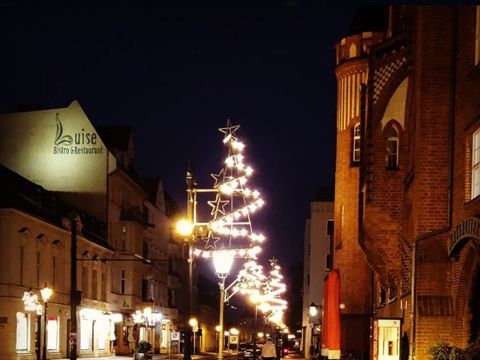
{"x":355,"y":275}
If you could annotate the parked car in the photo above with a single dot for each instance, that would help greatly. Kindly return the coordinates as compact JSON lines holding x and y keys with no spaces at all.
{"x":248,"y":352}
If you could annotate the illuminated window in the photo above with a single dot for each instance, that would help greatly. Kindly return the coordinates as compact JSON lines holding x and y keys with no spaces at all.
{"x":103,"y":328}
{"x":86,"y":332}
{"x":476,"y":164}
{"x":392,"y":149}
{"x":52,"y":333}
{"x":477,"y":35}
{"x":164,"y":343}
{"x":22,"y":332}
{"x":356,"y":144}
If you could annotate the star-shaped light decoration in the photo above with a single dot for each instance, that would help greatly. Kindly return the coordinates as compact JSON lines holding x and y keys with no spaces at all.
{"x":218,"y":206}
{"x":219,"y":178}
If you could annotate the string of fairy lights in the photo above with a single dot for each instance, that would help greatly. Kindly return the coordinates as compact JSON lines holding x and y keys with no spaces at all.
{"x":230,"y":231}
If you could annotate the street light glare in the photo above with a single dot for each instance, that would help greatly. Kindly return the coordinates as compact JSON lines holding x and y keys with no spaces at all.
{"x":184,"y":227}
{"x":46,"y":293}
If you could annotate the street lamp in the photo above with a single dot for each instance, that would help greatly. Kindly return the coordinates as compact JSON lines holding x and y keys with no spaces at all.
{"x":223,"y":261}
{"x":185,"y":228}
{"x":194,"y":324}
{"x":313,"y":312}
{"x":46,"y":294}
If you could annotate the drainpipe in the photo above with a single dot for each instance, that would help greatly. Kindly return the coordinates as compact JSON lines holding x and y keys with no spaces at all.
{"x":416,"y":242}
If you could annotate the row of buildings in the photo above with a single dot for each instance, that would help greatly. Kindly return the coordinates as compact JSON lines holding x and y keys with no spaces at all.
{"x":131,"y":266}
{"x":406,"y":207}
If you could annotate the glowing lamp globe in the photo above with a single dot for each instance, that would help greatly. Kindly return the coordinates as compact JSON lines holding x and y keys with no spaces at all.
{"x":46,"y":293}
{"x":184,"y":227}
{"x":223,"y":261}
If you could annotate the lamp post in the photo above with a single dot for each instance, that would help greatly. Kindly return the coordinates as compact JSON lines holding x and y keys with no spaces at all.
{"x":223,"y":261}
{"x":194,"y":324}
{"x":217,"y":331}
{"x":46,"y":294}
{"x":313,"y":312}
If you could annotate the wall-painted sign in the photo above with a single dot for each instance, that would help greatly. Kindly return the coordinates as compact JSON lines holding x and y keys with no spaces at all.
{"x":60,"y":150}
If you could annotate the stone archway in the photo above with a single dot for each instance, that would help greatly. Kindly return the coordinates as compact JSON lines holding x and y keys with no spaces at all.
{"x":466,"y":285}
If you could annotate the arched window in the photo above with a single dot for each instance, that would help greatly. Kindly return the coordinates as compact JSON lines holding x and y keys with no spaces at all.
{"x":352,"y":52}
{"x":392,"y":148}
{"x":356,"y":144}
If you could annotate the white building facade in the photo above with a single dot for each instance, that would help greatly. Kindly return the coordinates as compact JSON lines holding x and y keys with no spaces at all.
{"x":318,"y":232}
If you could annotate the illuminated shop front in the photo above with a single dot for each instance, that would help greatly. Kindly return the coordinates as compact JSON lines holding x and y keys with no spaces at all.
{"x":97,"y":331}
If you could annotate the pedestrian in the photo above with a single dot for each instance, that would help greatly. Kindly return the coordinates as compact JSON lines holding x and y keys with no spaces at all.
{"x":268,"y":351}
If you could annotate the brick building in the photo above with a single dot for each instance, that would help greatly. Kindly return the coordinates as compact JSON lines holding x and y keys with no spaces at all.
{"x":407,"y":181}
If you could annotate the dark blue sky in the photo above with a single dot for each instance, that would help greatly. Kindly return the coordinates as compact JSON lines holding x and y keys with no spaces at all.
{"x":176,"y":73}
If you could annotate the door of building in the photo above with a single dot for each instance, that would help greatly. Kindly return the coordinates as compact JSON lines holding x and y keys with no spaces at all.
{"x":388,"y":339}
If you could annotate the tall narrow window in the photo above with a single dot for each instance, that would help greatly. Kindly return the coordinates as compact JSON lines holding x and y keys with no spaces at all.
{"x":122,"y":282}
{"x":94,"y":284}
{"x":356,"y":144}
{"x":145,"y":250}
{"x":144,"y":289}
{"x":477,"y":35}
{"x":104,"y":286}
{"x":392,"y":149}
{"x":124,"y":238}
{"x":476,"y":164}
{"x":54,"y":271}
{"x":22,"y":259}
{"x":85,"y":281}
{"x":38,"y":268}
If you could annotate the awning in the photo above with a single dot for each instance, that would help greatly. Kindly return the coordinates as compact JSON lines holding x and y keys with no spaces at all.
{"x":331,"y":315}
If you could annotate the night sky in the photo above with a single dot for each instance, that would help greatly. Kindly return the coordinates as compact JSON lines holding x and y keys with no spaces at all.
{"x":175,"y":73}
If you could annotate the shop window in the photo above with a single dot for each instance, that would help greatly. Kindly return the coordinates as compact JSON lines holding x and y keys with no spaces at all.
{"x":52,"y":333}
{"x":356,"y":144}
{"x":391,"y":148}
{"x":22,"y":332}
{"x":164,"y":342}
{"x":103,"y":328}
{"x":476,"y":164}
{"x":86,"y":332}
